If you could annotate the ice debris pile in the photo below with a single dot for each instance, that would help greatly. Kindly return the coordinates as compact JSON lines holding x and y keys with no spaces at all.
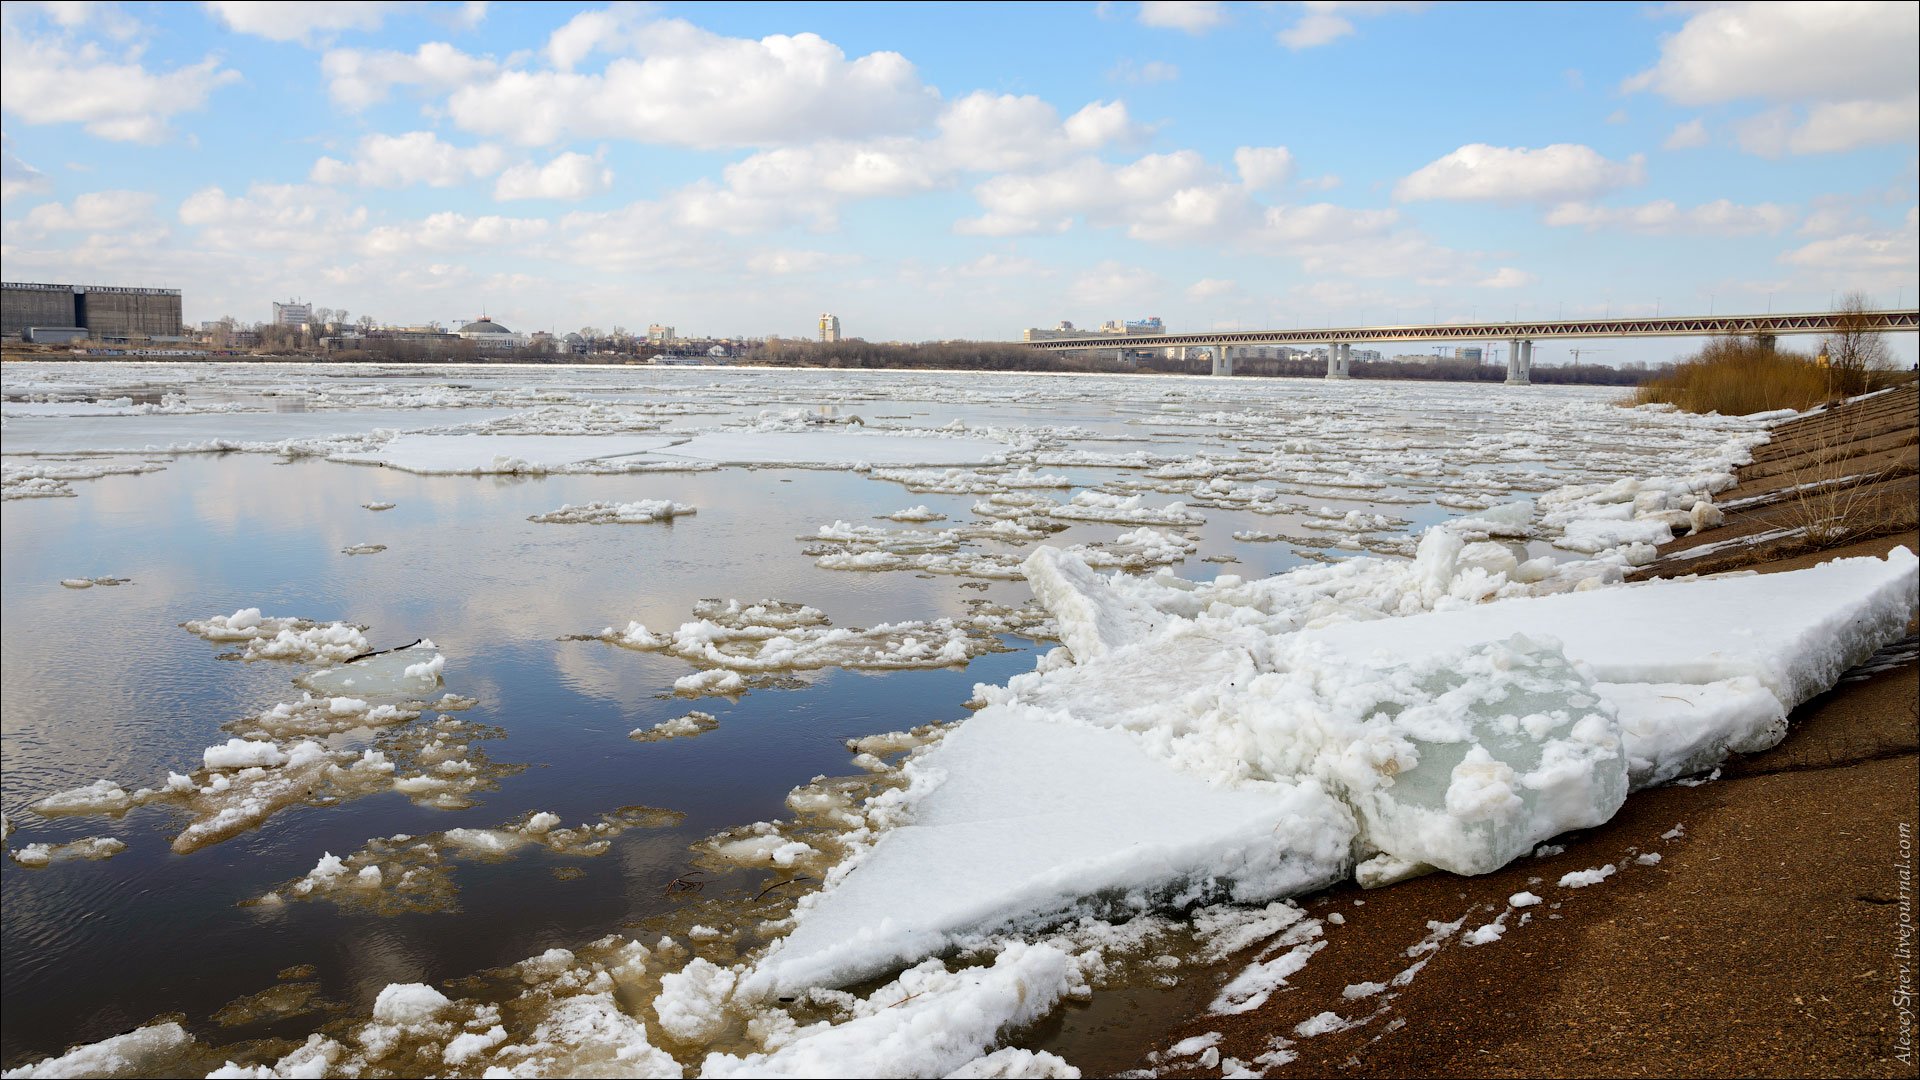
{"x":1255,"y":740}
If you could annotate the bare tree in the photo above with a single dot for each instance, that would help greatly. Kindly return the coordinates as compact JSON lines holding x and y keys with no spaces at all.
{"x":1855,"y":349}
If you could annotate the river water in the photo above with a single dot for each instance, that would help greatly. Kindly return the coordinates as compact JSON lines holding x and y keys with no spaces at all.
{"x":245,"y":509}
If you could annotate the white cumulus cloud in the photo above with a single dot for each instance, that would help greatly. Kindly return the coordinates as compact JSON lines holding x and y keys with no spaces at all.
{"x":360,"y":78}
{"x":567,"y":176}
{"x":1663,"y":217}
{"x":1192,"y":16}
{"x":1809,"y":50}
{"x":1263,"y":166}
{"x":277,"y":20}
{"x":98,"y":210}
{"x":1326,"y":21}
{"x":1688,"y":135}
{"x":451,"y":231}
{"x":691,"y":87}
{"x":56,"y":80}
{"x":1519,"y":174}
{"x":416,"y":157}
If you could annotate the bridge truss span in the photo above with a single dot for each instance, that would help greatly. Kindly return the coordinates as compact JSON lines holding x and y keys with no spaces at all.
{"x":1821,"y":322}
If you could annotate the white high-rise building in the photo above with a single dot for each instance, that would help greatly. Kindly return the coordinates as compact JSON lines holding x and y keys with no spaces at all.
{"x":829,"y":327}
{"x":292,"y":313}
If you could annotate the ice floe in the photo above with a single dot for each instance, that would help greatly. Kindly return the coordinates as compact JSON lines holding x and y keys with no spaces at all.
{"x":738,"y":645}
{"x":265,"y":637}
{"x":639,"y":512}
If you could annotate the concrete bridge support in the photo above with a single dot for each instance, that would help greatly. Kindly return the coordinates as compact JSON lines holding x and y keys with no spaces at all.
{"x":1339,"y":356}
{"x":1222,"y":360}
{"x":1520,"y":363}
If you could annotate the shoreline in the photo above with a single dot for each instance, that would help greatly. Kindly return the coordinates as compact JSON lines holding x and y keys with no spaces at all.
{"x":1751,"y":925}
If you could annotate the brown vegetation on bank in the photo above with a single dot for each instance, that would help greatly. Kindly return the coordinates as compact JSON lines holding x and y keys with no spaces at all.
{"x":1735,"y":376}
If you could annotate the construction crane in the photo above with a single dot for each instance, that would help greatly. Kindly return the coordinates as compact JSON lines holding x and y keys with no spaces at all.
{"x":1577,"y":352}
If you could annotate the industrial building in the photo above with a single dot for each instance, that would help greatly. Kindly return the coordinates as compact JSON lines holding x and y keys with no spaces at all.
{"x":105,"y":312}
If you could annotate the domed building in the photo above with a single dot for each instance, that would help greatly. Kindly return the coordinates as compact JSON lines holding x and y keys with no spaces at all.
{"x":487,"y":334}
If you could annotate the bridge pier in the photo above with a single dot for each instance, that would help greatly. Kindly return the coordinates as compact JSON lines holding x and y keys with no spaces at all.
{"x":1765,"y":341}
{"x":1520,"y":362}
{"x":1222,"y":360}
{"x":1339,"y":356}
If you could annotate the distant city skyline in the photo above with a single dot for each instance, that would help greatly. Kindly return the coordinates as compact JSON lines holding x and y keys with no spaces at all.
{"x":967,"y":171}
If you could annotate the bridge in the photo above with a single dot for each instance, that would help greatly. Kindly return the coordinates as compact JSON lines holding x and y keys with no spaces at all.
{"x":1519,"y":336}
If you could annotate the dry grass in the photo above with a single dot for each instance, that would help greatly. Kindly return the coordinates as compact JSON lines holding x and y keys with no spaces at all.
{"x":1734,"y":377}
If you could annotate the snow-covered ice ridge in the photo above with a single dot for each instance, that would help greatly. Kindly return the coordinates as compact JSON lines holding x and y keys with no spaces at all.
{"x":1254,"y":740}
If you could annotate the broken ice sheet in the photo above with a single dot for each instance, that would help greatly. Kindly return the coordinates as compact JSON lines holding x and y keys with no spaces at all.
{"x":265,"y":637}
{"x":89,"y":848}
{"x":247,"y":780}
{"x":738,"y":645}
{"x":610,"y":513}
{"x":409,"y":671}
{"x":403,"y":873}
{"x":1374,"y":735}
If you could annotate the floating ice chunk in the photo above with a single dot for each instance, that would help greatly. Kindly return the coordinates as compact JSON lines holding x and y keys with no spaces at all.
{"x":99,"y":797}
{"x":483,"y":454}
{"x":464,"y":1046}
{"x":680,"y":727}
{"x":715,"y":681}
{"x":928,"y":1022}
{"x":90,"y":848}
{"x":52,"y":479}
{"x":378,"y":506}
{"x":971,"y":482}
{"x":271,"y":638}
{"x":1124,"y":510}
{"x":141,"y":1051}
{"x":916,"y":513}
{"x":242,"y":754}
{"x":363,"y":549}
{"x":411,"y":671}
{"x":1140,"y":549}
{"x":734,"y":640}
{"x":612,"y":513}
{"x":409,"y":1003}
{"x":836,"y":449}
{"x":587,"y":1035}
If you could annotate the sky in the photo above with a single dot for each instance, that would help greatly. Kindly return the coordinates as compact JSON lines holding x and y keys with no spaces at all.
{"x":933,"y":171}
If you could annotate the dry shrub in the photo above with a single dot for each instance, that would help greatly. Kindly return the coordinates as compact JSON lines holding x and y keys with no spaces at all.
{"x":1736,"y":376}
